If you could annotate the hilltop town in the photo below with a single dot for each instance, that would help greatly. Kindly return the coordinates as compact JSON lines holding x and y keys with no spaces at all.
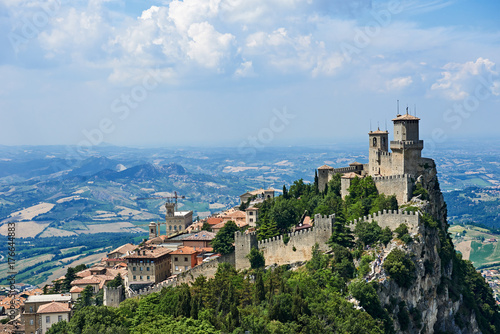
{"x":407,"y":199}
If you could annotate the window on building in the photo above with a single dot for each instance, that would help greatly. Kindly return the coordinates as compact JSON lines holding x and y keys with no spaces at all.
{"x":176,"y":268}
{"x":251,"y":220}
{"x":180,"y":227}
{"x":31,"y":309}
{"x":251,"y":213}
{"x":135,"y":277}
{"x":133,"y":268}
{"x":185,"y":259}
{"x":32,"y":322}
{"x":170,"y":228}
{"x":59,"y":318}
{"x":186,"y":268}
{"x":140,"y":268}
{"x":148,"y":277}
{"x":175,"y":227}
{"x":140,"y":278}
{"x":47,"y":319}
{"x":175,"y":259}
{"x":147,"y":269}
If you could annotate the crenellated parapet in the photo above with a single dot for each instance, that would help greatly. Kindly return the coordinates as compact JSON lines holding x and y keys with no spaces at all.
{"x":391,"y":219}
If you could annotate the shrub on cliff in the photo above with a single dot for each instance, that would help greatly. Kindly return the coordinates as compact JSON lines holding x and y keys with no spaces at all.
{"x":400,"y":268}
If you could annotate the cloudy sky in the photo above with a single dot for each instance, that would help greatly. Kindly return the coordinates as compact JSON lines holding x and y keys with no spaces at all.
{"x":245,"y":72}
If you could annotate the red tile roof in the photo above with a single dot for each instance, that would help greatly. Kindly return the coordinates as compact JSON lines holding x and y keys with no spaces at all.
{"x":54,"y":307}
{"x":325,"y":167}
{"x":214,"y":220}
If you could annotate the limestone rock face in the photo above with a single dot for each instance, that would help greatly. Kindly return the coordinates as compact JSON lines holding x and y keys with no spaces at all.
{"x":427,"y":301}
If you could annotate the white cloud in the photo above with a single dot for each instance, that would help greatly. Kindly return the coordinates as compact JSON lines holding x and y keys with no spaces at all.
{"x":208,"y":47}
{"x":460,"y":80}
{"x":245,"y":70}
{"x":399,"y":83}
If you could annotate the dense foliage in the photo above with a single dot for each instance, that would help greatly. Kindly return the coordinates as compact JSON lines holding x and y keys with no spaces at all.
{"x":400,"y":267}
{"x":223,"y":241}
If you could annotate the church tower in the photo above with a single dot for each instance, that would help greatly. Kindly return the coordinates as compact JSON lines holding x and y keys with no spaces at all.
{"x":406,"y":147}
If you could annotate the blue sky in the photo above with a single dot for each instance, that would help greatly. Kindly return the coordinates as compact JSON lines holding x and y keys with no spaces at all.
{"x":244,"y":72}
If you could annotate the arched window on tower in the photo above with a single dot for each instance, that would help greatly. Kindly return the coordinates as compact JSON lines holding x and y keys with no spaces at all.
{"x":374,"y":141}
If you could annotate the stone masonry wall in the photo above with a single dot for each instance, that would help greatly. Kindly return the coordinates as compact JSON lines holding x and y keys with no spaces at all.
{"x":392,"y":219}
{"x":276,"y":251}
{"x":399,"y":185}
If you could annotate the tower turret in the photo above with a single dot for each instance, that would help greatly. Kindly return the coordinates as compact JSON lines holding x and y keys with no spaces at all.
{"x":406,"y":146}
{"x":378,"y":149}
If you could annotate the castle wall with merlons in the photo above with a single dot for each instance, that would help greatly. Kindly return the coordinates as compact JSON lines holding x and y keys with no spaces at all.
{"x":399,"y":185}
{"x":392,"y":219}
{"x":298,"y":248}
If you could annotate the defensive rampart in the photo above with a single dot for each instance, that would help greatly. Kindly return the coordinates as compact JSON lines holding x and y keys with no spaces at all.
{"x":399,"y":185}
{"x":392,"y":219}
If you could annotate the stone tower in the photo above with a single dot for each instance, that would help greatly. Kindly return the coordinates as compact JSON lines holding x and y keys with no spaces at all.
{"x":170,"y":209}
{"x":325,"y":173}
{"x":153,"y":231}
{"x":378,"y":154}
{"x":406,"y":147}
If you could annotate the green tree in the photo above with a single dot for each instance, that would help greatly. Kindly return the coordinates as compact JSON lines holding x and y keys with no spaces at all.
{"x":316,"y":181}
{"x":256,"y":258}
{"x":85,"y":298}
{"x":341,"y":235}
{"x":400,"y":268}
{"x":368,"y":233}
{"x":268,"y":229}
{"x":259,"y":289}
{"x":284,"y":214}
{"x":206,"y":227}
{"x":223,"y":241}
{"x":386,"y":236}
{"x":285,"y":192}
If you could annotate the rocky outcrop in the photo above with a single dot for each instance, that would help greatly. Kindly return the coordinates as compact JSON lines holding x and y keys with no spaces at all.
{"x":427,"y":306}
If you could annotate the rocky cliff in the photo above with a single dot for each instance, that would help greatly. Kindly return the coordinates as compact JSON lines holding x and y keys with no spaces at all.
{"x":443,"y":296}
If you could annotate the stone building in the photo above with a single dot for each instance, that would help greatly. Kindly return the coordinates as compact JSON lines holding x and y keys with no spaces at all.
{"x":53,"y":313}
{"x":259,"y":194}
{"x":31,"y":318}
{"x":252,"y":215}
{"x":175,"y":221}
{"x":121,"y":251}
{"x":148,"y":266}
{"x":393,"y":172}
{"x":183,"y":259}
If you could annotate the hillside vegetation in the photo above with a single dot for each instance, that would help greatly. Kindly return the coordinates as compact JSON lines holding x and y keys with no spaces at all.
{"x":329,"y":294}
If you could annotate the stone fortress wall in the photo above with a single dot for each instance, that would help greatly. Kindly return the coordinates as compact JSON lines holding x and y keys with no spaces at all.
{"x":399,"y":185}
{"x":274,"y":249}
{"x":392,"y":219}
{"x":298,"y":248}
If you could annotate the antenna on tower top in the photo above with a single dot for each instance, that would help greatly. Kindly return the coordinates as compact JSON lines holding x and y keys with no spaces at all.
{"x":370,"y":125}
{"x":378,"y":125}
{"x":398,"y":107}
{"x":415,"y":109}
{"x":386,"y":125}
{"x":407,"y":109}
